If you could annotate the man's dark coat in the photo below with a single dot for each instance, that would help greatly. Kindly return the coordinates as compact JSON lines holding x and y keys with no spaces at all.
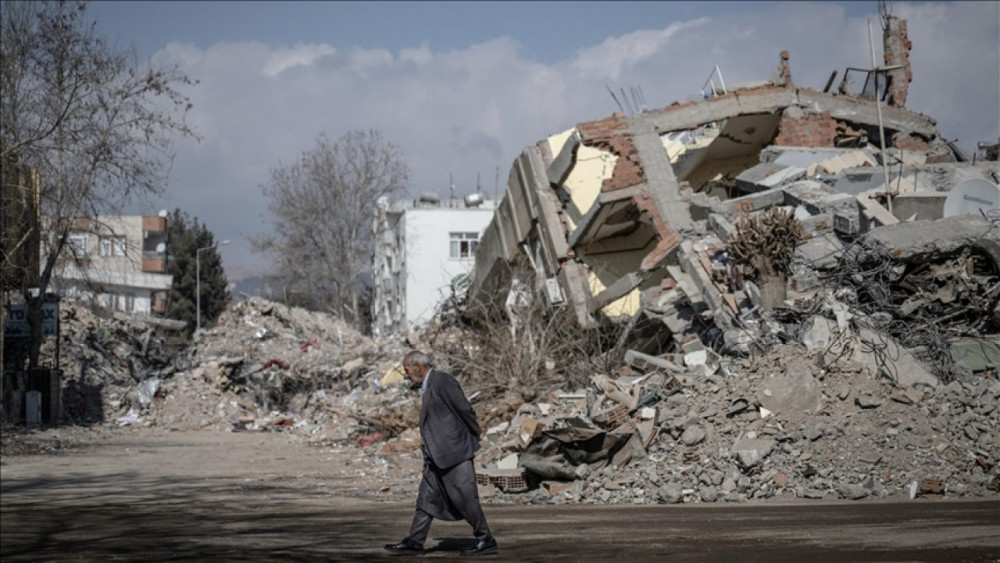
{"x":448,"y":425}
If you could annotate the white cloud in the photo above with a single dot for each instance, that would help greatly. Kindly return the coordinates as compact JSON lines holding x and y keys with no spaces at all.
{"x":300,"y":55}
{"x":613,"y":56}
{"x":468,"y":111}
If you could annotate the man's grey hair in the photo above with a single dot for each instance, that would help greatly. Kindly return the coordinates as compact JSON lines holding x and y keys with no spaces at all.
{"x":417,"y":358}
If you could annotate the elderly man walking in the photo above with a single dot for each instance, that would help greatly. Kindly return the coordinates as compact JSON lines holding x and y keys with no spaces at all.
{"x":450,"y":436}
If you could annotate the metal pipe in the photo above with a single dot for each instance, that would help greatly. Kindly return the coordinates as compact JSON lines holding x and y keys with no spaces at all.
{"x":878,"y":109}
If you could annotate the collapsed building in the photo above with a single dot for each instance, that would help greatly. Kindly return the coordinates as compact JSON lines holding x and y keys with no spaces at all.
{"x":637,"y":220}
{"x":627,"y":218}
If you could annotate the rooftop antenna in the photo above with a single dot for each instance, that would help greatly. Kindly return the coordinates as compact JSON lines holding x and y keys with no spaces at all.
{"x":451,"y":180}
{"x":635,"y":99}
{"x":628,"y":106}
{"x":615,"y":98}
{"x":478,"y":187}
{"x":496,"y":185}
{"x":884,"y":13}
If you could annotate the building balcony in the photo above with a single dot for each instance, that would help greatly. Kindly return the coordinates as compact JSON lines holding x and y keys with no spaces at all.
{"x":154,"y":265}
{"x":153,"y":224}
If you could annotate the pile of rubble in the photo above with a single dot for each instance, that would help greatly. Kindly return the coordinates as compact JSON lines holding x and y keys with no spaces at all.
{"x":269,"y":366}
{"x":815,"y":416}
{"x":808,"y":312}
{"x":263,"y":366}
{"x":773,"y":426}
{"x":876,"y":375}
{"x":111,"y":362}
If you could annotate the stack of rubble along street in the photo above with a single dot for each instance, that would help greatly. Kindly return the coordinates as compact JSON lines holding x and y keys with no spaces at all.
{"x":815,"y":414}
{"x":112,"y":363}
{"x":264,"y":366}
{"x":809,"y":311}
{"x":267,"y":366}
{"x":844,"y":391}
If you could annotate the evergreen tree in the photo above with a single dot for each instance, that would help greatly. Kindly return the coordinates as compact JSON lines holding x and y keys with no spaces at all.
{"x":186,"y":237}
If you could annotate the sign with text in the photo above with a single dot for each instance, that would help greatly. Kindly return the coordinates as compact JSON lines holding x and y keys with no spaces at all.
{"x":17,"y":321}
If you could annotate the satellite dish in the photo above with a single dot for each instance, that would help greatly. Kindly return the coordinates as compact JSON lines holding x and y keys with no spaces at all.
{"x":162,"y":213}
{"x":161,"y":248}
{"x":974,"y":196}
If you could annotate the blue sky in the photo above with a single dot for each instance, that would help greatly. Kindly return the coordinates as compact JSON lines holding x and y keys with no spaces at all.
{"x":548,"y":31}
{"x":462,"y":87}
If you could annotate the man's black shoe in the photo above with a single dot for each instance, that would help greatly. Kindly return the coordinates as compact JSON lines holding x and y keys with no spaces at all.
{"x":405,"y":547}
{"x":482,"y":547}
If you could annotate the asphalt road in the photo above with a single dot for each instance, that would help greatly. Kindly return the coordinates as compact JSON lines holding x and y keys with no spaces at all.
{"x":188,"y":498}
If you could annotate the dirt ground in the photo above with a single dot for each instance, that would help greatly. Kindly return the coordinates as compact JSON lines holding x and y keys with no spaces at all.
{"x":77,"y":494}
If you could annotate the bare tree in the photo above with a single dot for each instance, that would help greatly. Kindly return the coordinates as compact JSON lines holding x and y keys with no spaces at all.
{"x":322,"y":207}
{"x":95,"y":124}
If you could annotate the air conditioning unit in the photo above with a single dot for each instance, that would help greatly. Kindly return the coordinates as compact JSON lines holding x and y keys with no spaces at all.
{"x":553,"y":291}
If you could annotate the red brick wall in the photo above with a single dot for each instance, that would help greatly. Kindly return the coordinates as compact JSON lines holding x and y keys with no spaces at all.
{"x":817,"y":130}
{"x":910,"y":143}
{"x":897,"y":46}
{"x":612,"y":134}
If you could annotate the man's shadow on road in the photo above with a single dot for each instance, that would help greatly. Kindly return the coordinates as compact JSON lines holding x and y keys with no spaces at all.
{"x":451,"y":544}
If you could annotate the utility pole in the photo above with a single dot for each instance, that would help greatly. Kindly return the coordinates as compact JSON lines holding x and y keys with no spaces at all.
{"x":876,"y":70}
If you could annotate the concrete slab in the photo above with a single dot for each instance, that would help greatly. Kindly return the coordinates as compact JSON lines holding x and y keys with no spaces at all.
{"x":562,"y":164}
{"x":929,"y":240}
{"x":792,"y":395}
{"x":874,"y":211}
{"x":927,"y":206}
{"x":881,"y":353}
{"x":822,"y":251}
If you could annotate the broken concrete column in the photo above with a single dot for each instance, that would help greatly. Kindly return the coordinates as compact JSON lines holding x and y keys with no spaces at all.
{"x":785,"y":70}
{"x":659,"y":174}
{"x":897,"y":52}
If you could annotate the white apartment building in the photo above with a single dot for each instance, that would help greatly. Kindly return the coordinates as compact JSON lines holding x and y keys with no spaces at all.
{"x":121,"y":263}
{"x":421,"y":247}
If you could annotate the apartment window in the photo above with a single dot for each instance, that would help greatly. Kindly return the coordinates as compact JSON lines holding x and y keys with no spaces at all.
{"x":463,"y":245}
{"x":112,"y":246}
{"x":77,"y":243}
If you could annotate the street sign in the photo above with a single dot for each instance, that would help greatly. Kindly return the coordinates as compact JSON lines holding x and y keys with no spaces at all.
{"x":17,"y":321}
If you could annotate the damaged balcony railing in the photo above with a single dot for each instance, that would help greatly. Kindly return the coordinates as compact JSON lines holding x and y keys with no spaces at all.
{"x":869,"y":88}
{"x":709,"y":89}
